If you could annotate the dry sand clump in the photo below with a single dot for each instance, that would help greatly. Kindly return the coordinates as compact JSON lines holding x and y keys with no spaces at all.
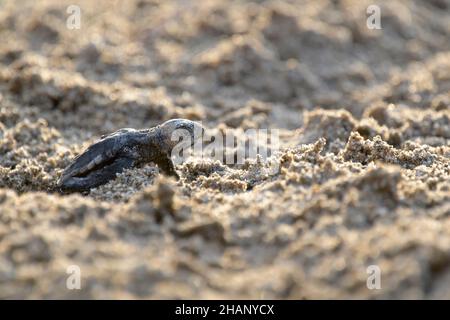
{"x":364,"y":162}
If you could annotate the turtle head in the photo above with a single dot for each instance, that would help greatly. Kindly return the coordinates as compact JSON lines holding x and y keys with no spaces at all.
{"x":175,"y":130}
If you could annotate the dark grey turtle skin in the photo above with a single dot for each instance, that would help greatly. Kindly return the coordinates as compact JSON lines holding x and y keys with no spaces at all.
{"x":123,"y":149}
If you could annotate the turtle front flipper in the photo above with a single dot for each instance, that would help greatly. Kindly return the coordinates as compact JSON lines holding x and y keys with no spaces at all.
{"x":103,"y":160}
{"x":166,"y":165}
{"x":95,"y":178}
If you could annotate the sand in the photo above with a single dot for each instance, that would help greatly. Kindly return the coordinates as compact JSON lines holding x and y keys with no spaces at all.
{"x":364,"y":162}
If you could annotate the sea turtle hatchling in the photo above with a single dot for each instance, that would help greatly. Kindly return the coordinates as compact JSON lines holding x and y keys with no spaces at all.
{"x":123,"y":149}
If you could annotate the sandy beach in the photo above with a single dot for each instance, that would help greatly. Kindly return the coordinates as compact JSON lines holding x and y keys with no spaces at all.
{"x":363,"y":117}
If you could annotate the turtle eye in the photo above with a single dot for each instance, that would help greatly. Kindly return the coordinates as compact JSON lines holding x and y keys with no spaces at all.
{"x":184,"y":125}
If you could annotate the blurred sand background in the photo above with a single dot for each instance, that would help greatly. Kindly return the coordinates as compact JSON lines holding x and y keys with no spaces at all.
{"x":365,"y":163}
